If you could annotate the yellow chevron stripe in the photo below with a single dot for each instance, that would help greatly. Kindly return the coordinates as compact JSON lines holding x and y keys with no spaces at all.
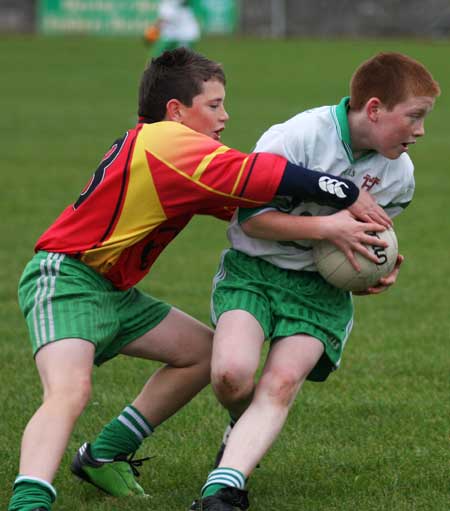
{"x":203,"y":185}
{"x":196,"y":176}
{"x":238,"y":180}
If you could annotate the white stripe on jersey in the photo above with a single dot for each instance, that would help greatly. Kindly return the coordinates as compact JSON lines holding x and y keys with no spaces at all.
{"x":42,"y":297}
{"x":348,"y":330}
{"x":43,"y":308}
{"x":51,"y":323}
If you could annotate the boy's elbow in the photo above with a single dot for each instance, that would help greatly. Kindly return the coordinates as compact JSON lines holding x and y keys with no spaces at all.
{"x":249,"y":228}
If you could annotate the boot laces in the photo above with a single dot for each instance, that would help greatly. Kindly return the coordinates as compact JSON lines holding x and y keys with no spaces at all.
{"x":134,"y":463}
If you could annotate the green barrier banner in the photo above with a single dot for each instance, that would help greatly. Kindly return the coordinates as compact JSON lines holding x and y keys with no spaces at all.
{"x":126,"y":17}
{"x":217,"y":16}
{"x":111,"y":17}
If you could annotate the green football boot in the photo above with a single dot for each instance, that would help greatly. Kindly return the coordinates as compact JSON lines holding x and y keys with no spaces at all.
{"x":117,"y":478}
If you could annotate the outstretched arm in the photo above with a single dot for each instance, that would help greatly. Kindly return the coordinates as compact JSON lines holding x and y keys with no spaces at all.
{"x":337,"y":192}
{"x":215,"y":176}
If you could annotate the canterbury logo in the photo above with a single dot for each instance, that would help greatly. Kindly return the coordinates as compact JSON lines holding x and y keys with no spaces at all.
{"x":333,"y":186}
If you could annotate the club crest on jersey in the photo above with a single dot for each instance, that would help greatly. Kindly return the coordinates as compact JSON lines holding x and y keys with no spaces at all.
{"x":369,"y":182}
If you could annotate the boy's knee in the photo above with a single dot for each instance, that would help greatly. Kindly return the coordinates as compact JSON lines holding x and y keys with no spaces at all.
{"x":232,"y":383}
{"x":280,"y":386}
{"x":73,"y":397}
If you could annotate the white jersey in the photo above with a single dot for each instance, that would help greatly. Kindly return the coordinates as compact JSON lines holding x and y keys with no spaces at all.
{"x":319,"y":139}
{"x":178,"y":21}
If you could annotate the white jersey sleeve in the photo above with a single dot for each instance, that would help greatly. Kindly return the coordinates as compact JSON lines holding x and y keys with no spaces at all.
{"x":289,"y":143}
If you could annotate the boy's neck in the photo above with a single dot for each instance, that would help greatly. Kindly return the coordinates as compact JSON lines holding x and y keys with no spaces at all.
{"x":359,"y":133}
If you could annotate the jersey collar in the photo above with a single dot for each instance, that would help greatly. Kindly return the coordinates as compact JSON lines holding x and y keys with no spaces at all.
{"x":339,"y":114}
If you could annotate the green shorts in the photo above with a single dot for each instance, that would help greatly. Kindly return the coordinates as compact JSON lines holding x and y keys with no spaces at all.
{"x":285,"y":303}
{"x":62,"y":298}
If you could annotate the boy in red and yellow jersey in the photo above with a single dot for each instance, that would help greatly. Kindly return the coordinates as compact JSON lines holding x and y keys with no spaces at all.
{"x":78,"y":294}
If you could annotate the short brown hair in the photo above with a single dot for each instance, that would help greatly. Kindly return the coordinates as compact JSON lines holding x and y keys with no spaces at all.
{"x":177,"y":74}
{"x":392,"y":78}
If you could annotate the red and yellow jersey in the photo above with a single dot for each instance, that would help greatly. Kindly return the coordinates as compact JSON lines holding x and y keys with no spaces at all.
{"x":147,"y":188}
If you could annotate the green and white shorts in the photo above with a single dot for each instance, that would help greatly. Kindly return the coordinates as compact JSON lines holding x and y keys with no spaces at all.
{"x":63,"y":298}
{"x":285,"y":303}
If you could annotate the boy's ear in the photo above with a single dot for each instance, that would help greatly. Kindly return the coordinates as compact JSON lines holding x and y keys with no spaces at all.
{"x":373,"y":107}
{"x":174,"y":110}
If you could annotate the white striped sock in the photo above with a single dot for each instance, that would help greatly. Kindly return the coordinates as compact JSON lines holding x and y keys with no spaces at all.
{"x":227,"y":477}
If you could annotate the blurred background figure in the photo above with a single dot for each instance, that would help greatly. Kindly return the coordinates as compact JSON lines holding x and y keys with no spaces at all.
{"x":175,"y":26}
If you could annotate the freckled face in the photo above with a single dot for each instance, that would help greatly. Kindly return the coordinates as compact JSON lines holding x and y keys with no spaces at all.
{"x":396,"y":129}
{"x":207,"y":114}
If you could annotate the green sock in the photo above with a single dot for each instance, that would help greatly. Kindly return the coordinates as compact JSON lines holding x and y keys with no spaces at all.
{"x":212,"y":489}
{"x":123,"y":435}
{"x":31,"y":493}
{"x":221,"y":478}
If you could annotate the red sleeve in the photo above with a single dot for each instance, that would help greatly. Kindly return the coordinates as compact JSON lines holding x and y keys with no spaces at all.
{"x":205,"y":173}
{"x":246,"y":179}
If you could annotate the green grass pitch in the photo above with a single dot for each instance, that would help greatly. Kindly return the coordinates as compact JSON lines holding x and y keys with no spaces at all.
{"x":376,"y":436}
